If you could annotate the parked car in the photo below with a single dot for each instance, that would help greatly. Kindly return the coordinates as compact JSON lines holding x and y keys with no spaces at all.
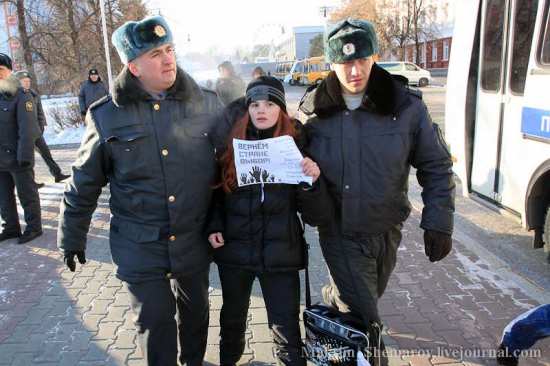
{"x":414,"y":73}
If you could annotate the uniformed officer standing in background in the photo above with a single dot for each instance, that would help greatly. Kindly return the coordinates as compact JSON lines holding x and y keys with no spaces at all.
{"x":19,"y":132}
{"x":40,"y":144}
{"x":91,"y":91}
{"x":150,"y":142}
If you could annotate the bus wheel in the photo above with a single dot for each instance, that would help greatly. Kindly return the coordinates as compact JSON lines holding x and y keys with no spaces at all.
{"x":422,"y":82}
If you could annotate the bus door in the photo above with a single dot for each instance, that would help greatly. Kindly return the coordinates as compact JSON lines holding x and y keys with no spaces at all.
{"x":511,"y":177}
{"x":506,"y":37}
{"x":490,"y":96}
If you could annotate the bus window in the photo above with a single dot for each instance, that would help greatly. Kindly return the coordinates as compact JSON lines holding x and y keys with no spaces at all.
{"x":314,"y":68}
{"x":545,"y":49}
{"x":524,"y":26}
{"x":493,"y":35}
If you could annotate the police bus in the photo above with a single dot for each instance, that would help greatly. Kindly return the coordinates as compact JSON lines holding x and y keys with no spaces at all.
{"x":498,"y":107}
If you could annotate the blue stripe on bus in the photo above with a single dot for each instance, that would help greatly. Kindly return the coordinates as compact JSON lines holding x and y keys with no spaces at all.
{"x":535,"y":122}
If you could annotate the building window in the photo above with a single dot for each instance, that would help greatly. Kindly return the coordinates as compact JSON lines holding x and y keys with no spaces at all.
{"x":446,"y":50}
{"x":434,"y":51}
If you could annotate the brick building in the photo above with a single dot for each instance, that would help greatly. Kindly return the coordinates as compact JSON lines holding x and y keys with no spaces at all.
{"x":434,"y":53}
{"x":437,"y":19}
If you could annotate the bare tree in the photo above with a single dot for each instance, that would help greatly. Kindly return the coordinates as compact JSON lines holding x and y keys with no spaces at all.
{"x":405,"y":22}
{"x":316,"y":46}
{"x":62,"y":39}
{"x":423,"y":25}
{"x":364,"y":9}
{"x":396,"y":22}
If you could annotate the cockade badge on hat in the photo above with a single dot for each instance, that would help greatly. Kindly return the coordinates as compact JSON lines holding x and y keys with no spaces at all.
{"x":159,"y":30}
{"x":348,"y":49}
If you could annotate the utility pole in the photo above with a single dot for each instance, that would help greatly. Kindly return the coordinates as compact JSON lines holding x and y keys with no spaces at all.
{"x":106,"y":44}
{"x":6,"y":14}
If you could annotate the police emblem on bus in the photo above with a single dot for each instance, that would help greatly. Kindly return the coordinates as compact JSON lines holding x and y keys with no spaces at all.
{"x":159,"y":31}
{"x":348,"y":49}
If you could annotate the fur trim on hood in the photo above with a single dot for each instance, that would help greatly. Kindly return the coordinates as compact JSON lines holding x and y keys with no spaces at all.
{"x":9,"y":86}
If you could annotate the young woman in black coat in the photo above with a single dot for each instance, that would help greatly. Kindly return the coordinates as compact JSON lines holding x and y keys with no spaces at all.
{"x":256,"y":232}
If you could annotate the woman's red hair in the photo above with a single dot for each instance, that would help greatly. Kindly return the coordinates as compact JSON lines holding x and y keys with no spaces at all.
{"x":284,"y":126}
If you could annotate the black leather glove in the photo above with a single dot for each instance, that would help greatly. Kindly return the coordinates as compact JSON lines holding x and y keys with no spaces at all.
{"x":68,"y":258}
{"x":437,"y":245}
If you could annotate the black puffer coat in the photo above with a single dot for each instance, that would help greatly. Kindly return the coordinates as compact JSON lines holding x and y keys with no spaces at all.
{"x":366,"y":155}
{"x":264,"y":236}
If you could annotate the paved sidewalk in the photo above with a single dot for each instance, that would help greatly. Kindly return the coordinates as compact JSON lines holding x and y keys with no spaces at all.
{"x":453,"y":310}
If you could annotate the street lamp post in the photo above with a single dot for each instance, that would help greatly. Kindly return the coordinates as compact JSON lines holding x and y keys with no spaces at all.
{"x":106,"y":44}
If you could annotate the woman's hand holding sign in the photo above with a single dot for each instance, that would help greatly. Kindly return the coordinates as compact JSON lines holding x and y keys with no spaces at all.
{"x":310,"y":168}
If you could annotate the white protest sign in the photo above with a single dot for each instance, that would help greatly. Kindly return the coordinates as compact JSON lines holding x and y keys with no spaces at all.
{"x":274,"y":160}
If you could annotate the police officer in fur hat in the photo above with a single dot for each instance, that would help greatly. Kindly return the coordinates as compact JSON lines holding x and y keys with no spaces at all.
{"x":40,"y":144}
{"x":151,"y":142}
{"x":377,"y":129}
{"x":19,"y":132}
{"x":91,"y":90}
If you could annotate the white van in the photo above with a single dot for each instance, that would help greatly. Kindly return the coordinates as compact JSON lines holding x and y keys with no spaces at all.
{"x":414,"y":73}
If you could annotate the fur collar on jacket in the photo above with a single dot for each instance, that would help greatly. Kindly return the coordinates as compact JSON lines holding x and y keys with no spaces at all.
{"x":9,"y":86}
{"x":385,"y":95}
{"x":128,"y":89}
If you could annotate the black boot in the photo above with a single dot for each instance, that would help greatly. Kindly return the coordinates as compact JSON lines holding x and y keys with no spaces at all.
{"x":5,"y":235}
{"x":61,"y":177}
{"x":29,"y":235}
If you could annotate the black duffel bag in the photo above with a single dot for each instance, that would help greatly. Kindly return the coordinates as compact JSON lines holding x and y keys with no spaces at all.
{"x":330,"y":339}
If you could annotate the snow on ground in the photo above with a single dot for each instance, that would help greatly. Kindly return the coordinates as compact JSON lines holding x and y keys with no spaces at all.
{"x":67,"y":135}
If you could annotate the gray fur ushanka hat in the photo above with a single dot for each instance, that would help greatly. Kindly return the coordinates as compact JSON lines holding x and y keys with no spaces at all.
{"x":133,"y":39}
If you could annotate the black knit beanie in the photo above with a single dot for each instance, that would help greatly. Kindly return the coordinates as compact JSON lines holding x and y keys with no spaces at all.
{"x":5,"y":60}
{"x":266,"y":88}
